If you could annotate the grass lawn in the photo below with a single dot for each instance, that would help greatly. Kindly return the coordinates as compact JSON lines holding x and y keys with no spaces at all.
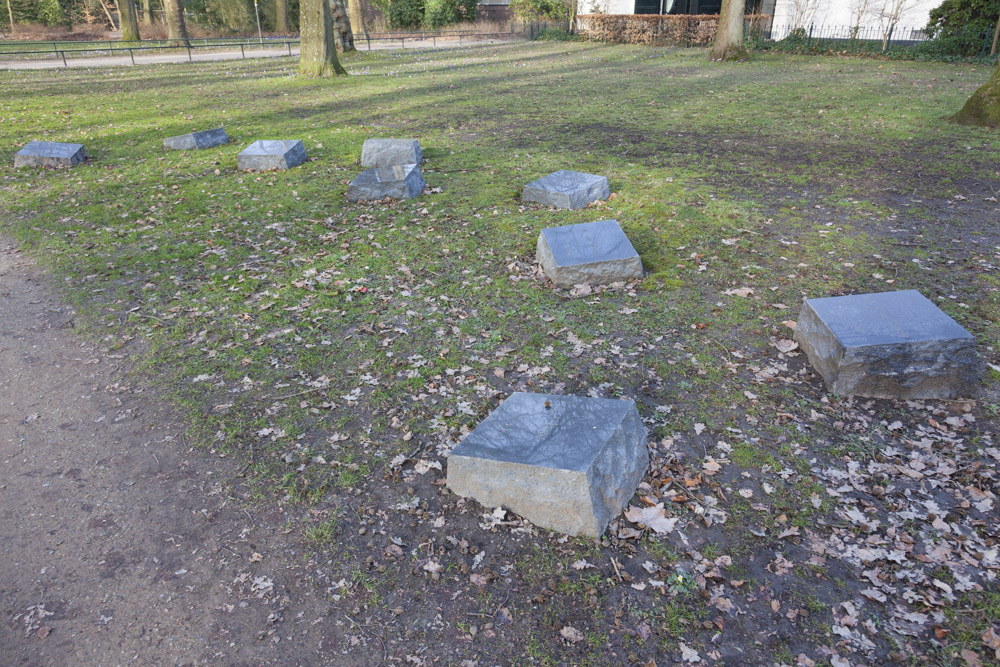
{"x":339,"y":351}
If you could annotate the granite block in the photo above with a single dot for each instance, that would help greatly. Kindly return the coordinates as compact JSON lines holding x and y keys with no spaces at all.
{"x":567,"y":189}
{"x":390,"y":152}
{"x":398,"y":182}
{"x":49,"y":154}
{"x":566,"y":463}
{"x":268,"y":154}
{"x":592,"y":253}
{"x":888,"y":345}
{"x":197,"y":140}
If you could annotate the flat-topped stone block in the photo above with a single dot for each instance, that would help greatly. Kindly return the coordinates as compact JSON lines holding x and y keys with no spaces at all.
{"x":566,"y":463}
{"x":390,"y":152}
{"x":888,"y":345}
{"x":567,"y":189}
{"x":397,"y":182}
{"x":268,"y":154}
{"x":49,"y":154}
{"x":592,"y":253}
{"x":197,"y":140}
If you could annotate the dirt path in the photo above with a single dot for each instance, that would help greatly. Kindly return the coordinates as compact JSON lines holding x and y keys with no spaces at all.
{"x":121,"y":545}
{"x":207,"y":56}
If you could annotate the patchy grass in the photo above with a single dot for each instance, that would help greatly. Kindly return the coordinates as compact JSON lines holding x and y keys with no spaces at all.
{"x":342,"y":349}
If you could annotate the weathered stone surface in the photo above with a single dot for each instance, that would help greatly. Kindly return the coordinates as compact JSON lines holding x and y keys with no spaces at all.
{"x":268,"y":154}
{"x":888,"y":345}
{"x":566,"y":463}
{"x":567,"y":189}
{"x":397,"y":182}
{"x":49,"y":154}
{"x":592,"y":253}
{"x":197,"y":140}
{"x":390,"y":152}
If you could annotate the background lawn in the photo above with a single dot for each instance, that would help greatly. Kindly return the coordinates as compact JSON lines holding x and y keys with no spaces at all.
{"x":341,"y":350}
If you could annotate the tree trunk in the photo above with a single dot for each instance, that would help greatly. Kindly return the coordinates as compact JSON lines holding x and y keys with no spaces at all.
{"x":996,"y":37}
{"x":173,"y":11}
{"x":10,"y":12}
{"x":317,"y":53}
{"x":357,"y":16}
{"x":129,"y":20}
{"x":281,"y":17}
{"x":983,"y":108}
{"x":147,"y":13}
{"x":343,"y":37}
{"x":729,"y":35}
{"x":571,"y":27}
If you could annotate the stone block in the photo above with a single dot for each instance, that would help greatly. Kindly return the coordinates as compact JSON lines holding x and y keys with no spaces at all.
{"x":49,"y":154}
{"x":268,"y":154}
{"x":592,"y":253}
{"x":197,"y":140}
{"x":397,"y":182}
{"x":567,"y":189}
{"x":888,"y":345}
{"x":390,"y":152}
{"x":566,"y":463}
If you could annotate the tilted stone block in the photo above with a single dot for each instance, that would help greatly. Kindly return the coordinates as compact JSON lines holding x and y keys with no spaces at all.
{"x":49,"y":154}
{"x":197,"y":140}
{"x":566,"y":463}
{"x":390,"y":152}
{"x":888,"y":345}
{"x":567,"y":189}
{"x":592,"y":253}
{"x":398,"y":182}
{"x":268,"y":154}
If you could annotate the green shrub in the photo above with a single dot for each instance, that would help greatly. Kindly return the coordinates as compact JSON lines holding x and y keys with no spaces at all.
{"x":439,"y":13}
{"x":406,"y":13}
{"x":539,"y":10}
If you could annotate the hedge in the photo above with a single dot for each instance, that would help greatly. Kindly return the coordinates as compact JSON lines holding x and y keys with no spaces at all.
{"x":656,"y":29}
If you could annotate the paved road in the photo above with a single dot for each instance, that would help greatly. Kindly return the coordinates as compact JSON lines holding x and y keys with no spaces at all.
{"x":208,"y":56}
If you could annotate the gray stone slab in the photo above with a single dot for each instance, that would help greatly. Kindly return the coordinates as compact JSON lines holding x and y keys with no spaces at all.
{"x":888,"y":345}
{"x":567,"y":189}
{"x":49,"y":154}
{"x":397,"y":182}
{"x":592,"y":253}
{"x":390,"y":152}
{"x":197,"y":140}
{"x":268,"y":154}
{"x":566,"y":463}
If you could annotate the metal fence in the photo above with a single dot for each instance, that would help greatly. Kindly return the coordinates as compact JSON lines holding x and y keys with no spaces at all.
{"x":889,"y":41}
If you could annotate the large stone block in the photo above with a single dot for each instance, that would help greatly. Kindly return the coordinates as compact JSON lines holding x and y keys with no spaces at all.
{"x":567,"y":189}
{"x":197,"y":140}
{"x":390,"y":152}
{"x":592,"y":253}
{"x":49,"y":154}
{"x":566,"y":463}
{"x":888,"y":345}
{"x":397,"y":182}
{"x":268,"y":154}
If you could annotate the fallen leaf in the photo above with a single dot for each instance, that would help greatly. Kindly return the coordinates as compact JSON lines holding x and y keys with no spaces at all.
{"x":688,"y":654}
{"x":571,"y":634}
{"x":582,"y":564}
{"x":785,"y":345}
{"x":653,"y":517}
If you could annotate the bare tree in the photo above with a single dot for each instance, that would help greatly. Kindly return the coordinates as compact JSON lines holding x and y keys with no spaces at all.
{"x":281,"y":16}
{"x":859,"y":11}
{"x":357,"y":17}
{"x":889,"y":16}
{"x":317,"y":53}
{"x":147,"y":13}
{"x":729,"y":35}
{"x":343,"y":35}
{"x":803,"y":12}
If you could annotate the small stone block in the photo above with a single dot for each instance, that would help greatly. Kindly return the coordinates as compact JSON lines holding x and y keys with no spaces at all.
{"x":197,"y":140}
{"x":592,"y":253}
{"x":268,"y":154}
{"x":49,"y":154}
{"x":888,"y":345}
{"x":567,"y":189}
{"x":397,"y":182}
{"x":390,"y":152}
{"x":566,"y":463}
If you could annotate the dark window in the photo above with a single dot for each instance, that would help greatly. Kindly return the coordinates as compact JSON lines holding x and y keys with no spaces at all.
{"x":647,"y":6}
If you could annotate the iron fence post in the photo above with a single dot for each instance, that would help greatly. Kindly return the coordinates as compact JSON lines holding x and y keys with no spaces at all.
{"x":810,"y":38}
{"x":131,"y":55}
{"x":65,"y":64}
{"x":289,"y":45}
{"x":242,"y":52}
{"x":190,"y":59}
